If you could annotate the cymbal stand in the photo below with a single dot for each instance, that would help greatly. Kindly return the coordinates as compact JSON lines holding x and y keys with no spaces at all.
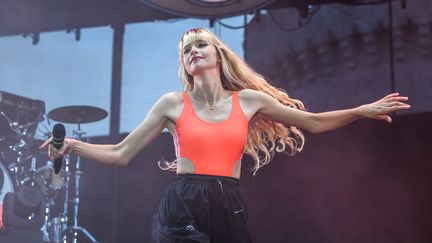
{"x":17,"y":168}
{"x":46,"y":224}
{"x":78,"y":134}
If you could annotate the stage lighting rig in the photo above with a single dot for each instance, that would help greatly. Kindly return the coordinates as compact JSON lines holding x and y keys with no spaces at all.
{"x":77,"y":33}
{"x":207,"y":9}
{"x":35,"y":37}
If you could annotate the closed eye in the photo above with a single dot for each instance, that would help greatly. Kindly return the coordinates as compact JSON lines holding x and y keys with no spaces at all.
{"x":187,"y":49}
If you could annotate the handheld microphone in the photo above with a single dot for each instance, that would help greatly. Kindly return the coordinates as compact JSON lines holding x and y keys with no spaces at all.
{"x":58,"y":135}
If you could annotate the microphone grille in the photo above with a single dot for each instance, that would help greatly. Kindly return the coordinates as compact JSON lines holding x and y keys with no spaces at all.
{"x":59,"y":131}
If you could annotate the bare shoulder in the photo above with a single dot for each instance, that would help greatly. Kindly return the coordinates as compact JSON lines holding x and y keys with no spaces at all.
{"x":171,"y":103}
{"x":250,"y":101}
{"x":251,"y":94}
{"x":171,"y":98}
{"x":251,"y":97}
{"x":258,"y":102}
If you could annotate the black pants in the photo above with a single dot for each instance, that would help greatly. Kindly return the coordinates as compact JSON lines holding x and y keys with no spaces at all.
{"x":201,"y":208}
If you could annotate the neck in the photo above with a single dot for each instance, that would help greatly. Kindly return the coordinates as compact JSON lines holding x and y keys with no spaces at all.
{"x":208,"y":87}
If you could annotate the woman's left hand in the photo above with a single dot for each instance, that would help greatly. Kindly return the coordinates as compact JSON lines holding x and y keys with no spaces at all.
{"x":381,"y":109}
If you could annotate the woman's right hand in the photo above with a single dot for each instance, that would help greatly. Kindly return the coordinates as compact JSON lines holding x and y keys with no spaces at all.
{"x":54,"y":153}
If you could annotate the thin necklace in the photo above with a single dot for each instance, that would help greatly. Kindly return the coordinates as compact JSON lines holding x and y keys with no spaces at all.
{"x":210,"y":102}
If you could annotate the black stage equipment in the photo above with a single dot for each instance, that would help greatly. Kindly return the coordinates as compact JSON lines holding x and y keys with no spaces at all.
{"x":75,"y":115}
{"x":23,"y":209}
{"x":207,"y":8}
{"x":19,"y":117}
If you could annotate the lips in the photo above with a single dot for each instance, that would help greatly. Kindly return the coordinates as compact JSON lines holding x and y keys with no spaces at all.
{"x":195,"y":58}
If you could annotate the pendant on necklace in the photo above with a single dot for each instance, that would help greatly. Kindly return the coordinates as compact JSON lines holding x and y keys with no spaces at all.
{"x":211,"y":104}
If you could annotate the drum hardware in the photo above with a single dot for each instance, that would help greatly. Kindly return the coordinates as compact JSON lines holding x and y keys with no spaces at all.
{"x":55,"y":230}
{"x":75,"y":228}
{"x":74,"y":115}
{"x":21,"y":108}
{"x":19,"y":117}
{"x":23,"y":209}
{"x":45,"y":180}
{"x":77,"y":114}
{"x":6,"y":184}
{"x":30,"y":203}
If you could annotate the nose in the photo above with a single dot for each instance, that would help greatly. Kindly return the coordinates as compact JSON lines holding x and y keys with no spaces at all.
{"x":193,"y":50}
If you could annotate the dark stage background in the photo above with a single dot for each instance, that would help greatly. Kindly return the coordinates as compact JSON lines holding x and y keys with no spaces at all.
{"x":368,"y":182}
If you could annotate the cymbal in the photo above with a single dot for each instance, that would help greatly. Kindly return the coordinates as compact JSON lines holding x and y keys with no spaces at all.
{"x":77,"y":114}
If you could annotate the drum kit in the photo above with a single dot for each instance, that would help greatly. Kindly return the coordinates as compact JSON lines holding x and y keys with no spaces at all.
{"x":30,"y":190}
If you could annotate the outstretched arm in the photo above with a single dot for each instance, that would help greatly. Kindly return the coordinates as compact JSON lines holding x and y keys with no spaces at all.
{"x":121,"y":153}
{"x":326,"y":121}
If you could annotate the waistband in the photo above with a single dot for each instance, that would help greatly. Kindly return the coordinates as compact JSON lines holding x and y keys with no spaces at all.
{"x":208,"y":179}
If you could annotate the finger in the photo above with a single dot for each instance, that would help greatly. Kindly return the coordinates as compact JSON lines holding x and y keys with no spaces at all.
{"x":402,"y":107}
{"x":54,"y":155}
{"x":397,"y":98}
{"x":386,"y":118}
{"x":63,"y":149}
{"x":50,"y":155}
{"x":46,"y":143}
{"x":396,"y":103}
{"x":391,"y":95}
{"x":52,"y":151}
{"x":51,"y":148}
{"x":404,"y":104}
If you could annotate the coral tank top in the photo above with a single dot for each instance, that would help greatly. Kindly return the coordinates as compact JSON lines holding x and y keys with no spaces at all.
{"x":213,"y":148}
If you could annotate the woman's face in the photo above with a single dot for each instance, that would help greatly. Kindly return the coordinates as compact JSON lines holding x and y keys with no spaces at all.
{"x":199,"y":55}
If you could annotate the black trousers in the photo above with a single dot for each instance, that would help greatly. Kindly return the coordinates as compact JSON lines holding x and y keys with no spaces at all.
{"x":204,"y":209}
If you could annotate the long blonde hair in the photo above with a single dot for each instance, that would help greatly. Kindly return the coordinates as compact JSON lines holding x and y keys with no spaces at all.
{"x":264,"y":136}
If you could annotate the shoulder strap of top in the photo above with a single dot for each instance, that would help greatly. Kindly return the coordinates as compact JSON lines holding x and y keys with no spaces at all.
{"x":186,"y":100}
{"x":237,"y":106}
{"x":236,"y":100}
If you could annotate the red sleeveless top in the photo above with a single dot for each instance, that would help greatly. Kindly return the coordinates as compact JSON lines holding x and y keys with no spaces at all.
{"x":213,"y":148}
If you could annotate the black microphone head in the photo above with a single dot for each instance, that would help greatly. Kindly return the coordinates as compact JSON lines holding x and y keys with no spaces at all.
{"x":58,"y":131}
{"x":58,"y":135}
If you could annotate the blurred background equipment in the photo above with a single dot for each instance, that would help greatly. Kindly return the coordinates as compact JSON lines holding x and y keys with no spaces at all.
{"x":69,"y":228}
{"x":208,"y":8}
{"x":31,"y":192}
{"x":19,"y":117}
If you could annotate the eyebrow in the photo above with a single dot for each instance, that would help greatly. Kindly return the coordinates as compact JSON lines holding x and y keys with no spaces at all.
{"x":200,"y":40}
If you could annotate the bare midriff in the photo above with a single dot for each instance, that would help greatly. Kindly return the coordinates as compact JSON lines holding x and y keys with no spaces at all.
{"x":185,"y":166}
